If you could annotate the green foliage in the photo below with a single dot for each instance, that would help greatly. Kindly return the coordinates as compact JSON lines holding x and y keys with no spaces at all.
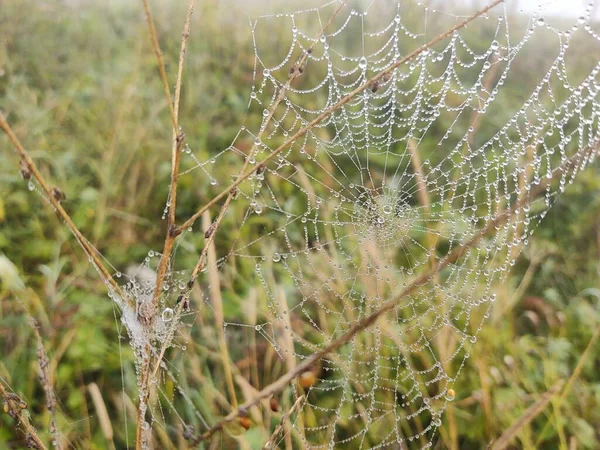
{"x":79,"y":84}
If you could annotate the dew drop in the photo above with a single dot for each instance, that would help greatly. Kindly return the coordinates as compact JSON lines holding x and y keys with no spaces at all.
{"x":276,"y":257}
{"x":167,"y":315}
{"x":362,"y":63}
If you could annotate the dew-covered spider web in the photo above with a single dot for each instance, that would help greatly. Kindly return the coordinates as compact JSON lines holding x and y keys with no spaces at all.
{"x":455,"y":141}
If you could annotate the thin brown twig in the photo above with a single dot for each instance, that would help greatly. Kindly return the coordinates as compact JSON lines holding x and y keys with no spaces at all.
{"x":211,"y":231}
{"x":47,"y":383}
{"x":161,"y":64}
{"x":175,"y":160}
{"x":271,"y":442}
{"x":15,"y":407}
{"x":573,"y":377}
{"x":331,"y":110}
{"x":55,"y":200}
{"x":531,"y":413}
{"x":295,"y":72}
{"x":501,"y":218}
{"x":146,"y":378}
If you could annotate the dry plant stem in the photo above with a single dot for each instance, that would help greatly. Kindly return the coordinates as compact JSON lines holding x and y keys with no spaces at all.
{"x":573,"y":377}
{"x":161,"y":64}
{"x":388,"y":306}
{"x":531,"y":413}
{"x":89,"y":250}
{"x":175,"y":149}
{"x":210,"y":233}
{"x":217,"y":302}
{"x":271,"y":442}
{"x":102,"y":414}
{"x":46,"y":381}
{"x":175,"y":163}
{"x":329,"y":111}
{"x":15,"y":406}
{"x":294,"y":73}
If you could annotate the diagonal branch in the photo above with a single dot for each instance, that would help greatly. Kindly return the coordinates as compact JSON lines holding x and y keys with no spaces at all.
{"x":330,"y":111}
{"x":388,"y":306}
{"x":55,"y":196}
{"x":15,"y":406}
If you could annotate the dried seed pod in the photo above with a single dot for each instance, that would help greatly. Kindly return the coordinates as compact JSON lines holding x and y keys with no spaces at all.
{"x":24,"y":170}
{"x":375,"y":86}
{"x":209,"y":231}
{"x":308,"y":379}
{"x":274,"y":404}
{"x":245,"y":422}
{"x":58,"y":195}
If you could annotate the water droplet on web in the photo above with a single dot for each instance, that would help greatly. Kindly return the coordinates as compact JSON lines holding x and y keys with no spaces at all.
{"x":276,"y":257}
{"x":167,"y":315}
{"x":118,"y":274}
{"x":30,"y":185}
{"x":540,"y":22}
{"x":151,"y":253}
{"x":362,"y":63}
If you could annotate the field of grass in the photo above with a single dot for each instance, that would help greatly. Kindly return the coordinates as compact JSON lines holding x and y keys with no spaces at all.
{"x":79,"y":85}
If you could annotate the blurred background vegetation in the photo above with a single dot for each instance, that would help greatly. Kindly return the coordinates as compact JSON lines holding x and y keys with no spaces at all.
{"x":78,"y":83}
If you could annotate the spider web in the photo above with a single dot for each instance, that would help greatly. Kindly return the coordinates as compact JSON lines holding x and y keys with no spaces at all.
{"x":384,"y":189}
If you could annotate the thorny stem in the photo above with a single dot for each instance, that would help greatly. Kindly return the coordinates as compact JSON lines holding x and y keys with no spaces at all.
{"x":330,"y":111}
{"x":386,"y":307}
{"x":146,"y":379}
{"x":15,"y":407}
{"x":55,"y":200}
{"x":175,"y":160}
